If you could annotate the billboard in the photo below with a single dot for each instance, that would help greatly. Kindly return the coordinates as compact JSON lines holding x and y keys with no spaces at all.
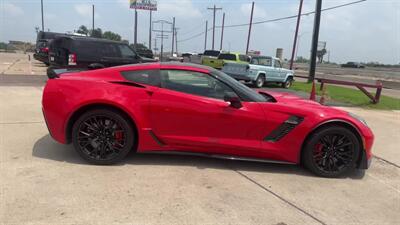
{"x":143,"y":4}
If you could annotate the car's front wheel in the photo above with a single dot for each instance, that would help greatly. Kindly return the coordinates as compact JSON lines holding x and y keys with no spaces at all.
{"x":331,"y":151}
{"x":103,"y":136}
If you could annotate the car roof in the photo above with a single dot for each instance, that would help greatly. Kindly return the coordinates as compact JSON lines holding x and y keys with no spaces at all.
{"x":83,"y":38}
{"x":174,"y":65}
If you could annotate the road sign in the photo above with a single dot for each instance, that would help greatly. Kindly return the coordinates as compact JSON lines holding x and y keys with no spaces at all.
{"x":143,"y":4}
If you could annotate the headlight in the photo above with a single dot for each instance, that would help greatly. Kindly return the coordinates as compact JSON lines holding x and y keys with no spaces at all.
{"x":358,"y":118}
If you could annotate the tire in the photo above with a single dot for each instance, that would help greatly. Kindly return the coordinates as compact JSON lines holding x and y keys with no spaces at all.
{"x":288,"y":83}
{"x":259,"y":82}
{"x":331,"y":152}
{"x":103,"y":136}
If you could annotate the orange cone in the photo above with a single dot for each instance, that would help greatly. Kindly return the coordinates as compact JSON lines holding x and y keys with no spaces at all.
{"x":312,"y":94}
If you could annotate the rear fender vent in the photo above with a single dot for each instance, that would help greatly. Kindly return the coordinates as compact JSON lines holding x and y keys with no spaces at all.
{"x":284,"y":129}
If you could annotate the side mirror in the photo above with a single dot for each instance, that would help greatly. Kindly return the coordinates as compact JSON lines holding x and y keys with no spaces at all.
{"x":233,"y":99}
{"x":95,"y":66}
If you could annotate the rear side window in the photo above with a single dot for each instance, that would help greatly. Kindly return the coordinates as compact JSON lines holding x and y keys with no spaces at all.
{"x":146,"y":77}
{"x":227,"y":56}
{"x":91,"y":49}
{"x":244,"y":58}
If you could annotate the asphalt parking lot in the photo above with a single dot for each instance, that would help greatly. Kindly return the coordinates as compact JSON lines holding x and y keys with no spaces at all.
{"x":43,"y":182}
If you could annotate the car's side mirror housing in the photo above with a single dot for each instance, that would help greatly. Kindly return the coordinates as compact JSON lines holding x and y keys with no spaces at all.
{"x":233,"y":99}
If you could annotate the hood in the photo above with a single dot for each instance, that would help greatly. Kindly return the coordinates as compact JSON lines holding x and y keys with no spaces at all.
{"x":287,"y":70}
{"x":297,"y":103}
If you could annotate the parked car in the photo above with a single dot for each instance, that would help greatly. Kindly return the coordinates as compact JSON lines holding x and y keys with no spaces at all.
{"x":42,"y":51}
{"x":193,"y":109}
{"x":42,"y":45}
{"x":225,"y":57}
{"x":353,"y":65}
{"x":261,"y":69}
{"x":86,"y":52}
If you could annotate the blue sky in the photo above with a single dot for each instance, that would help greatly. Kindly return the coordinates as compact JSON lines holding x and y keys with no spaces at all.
{"x":369,"y":31}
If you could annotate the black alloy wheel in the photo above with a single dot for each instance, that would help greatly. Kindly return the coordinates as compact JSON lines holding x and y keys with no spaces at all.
{"x":102,"y":136}
{"x":332,"y":151}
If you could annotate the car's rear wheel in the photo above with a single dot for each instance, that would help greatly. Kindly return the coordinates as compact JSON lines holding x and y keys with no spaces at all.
{"x":259,"y":82}
{"x":103,"y":136}
{"x":331,"y":151}
{"x":288,"y":83}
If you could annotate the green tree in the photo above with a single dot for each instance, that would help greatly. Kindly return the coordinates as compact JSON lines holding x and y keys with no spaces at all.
{"x":111,"y":36}
{"x":97,"y":33}
{"x":82,"y":30}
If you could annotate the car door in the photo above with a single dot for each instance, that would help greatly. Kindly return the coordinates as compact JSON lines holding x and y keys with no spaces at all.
{"x":188,"y":113}
{"x":276,"y":73}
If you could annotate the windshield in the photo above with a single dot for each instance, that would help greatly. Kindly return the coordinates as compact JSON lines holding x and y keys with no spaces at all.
{"x":227,"y":56}
{"x":245,"y":93}
{"x":211,"y":53}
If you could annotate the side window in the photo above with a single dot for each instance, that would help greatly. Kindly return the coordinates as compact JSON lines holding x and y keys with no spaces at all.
{"x":194,"y":83}
{"x":146,"y":77}
{"x":244,"y":58}
{"x":278,"y":64}
{"x":255,"y":61}
{"x":265,"y":61}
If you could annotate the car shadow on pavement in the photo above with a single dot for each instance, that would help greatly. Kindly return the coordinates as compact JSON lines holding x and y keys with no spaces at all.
{"x":47,"y":148}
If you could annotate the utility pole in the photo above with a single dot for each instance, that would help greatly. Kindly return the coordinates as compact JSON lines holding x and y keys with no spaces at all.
{"x":173,"y":36}
{"x":176,"y":40}
{"x":150,"y":29}
{"x":251,"y":23}
{"x":205,"y":36}
{"x":214,"y":10}
{"x":222,"y":31}
{"x":92,"y":17}
{"x":41,"y":1}
{"x":135,"y":36}
{"x":295,"y":34}
{"x":162,"y":36}
{"x":314,"y":44}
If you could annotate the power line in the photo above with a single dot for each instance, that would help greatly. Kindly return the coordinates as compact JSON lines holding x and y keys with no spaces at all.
{"x":274,"y":20}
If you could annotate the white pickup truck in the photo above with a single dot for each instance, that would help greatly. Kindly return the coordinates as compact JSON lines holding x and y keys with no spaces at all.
{"x":261,"y":69}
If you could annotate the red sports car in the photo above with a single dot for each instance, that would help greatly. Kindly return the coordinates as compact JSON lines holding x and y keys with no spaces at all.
{"x":192,"y":109}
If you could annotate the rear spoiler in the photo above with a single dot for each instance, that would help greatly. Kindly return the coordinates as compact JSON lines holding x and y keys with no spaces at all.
{"x":53,"y":72}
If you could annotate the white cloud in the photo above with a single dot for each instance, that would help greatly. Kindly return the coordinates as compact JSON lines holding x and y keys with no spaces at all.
{"x":85,"y":10}
{"x":258,"y":11}
{"x":11,"y":9}
{"x":185,"y":9}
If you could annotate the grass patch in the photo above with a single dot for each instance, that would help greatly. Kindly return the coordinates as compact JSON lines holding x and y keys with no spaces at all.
{"x":351,"y":96}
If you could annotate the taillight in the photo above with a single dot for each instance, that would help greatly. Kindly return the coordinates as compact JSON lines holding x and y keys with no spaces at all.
{"x":72,"y":59}
{"x":44,"y":49}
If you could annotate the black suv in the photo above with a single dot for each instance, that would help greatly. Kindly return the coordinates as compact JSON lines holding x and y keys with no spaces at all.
{"x":42,"y":46}
{"x":90,"y":53}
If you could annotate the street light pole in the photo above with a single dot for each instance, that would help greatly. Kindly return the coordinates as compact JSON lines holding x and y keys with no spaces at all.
{"x":222,"y":31}
{"x":251,"y":22}
{"x":295,"y":34}
{"x":92,"y":17}
{"x":135,"y":35}
{"x":173,"y":36}
{"x":41,"y":1}
{"x":205,"y":36}
{"x":314,"y":44}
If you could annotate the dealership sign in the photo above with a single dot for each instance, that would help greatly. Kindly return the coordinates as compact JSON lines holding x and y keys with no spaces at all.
{"x":143,"y":4}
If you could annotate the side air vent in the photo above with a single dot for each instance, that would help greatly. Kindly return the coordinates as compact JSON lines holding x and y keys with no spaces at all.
{"x":284,"y":129}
